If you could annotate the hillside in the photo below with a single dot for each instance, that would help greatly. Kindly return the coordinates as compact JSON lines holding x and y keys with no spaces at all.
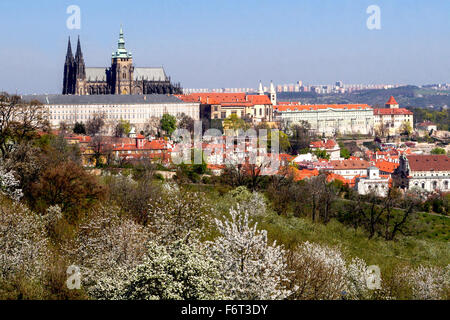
{"x":408,"y":96}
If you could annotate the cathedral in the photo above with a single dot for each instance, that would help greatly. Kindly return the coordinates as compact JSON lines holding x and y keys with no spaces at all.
{"x":121,"y":78}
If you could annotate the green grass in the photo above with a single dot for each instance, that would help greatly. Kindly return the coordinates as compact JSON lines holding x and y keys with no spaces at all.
{"x":405,"y":250}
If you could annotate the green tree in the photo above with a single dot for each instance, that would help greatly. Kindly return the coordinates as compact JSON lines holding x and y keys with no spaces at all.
{"x":122,"y":128}
{"x":321,"y":154}
{"x":438,"y":151}
{"x":168,"y":123}
{"x":344,"y":151}
{"x":79,"y":128}
{"x":68,"y":186}
{"x":406,"y":128}
{"x":233,"y":122}
{"x":283,"y":141}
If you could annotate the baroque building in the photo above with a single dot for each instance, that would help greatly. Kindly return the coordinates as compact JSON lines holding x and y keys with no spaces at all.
{"x":122,"y":78}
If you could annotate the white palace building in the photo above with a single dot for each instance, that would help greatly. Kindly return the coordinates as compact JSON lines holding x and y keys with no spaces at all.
{"x":136,"y":109}
{"x":329,"y":119}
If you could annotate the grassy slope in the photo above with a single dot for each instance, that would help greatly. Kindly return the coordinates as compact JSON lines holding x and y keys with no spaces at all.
{"x":406,"y":249}
{"x":429,"y":244}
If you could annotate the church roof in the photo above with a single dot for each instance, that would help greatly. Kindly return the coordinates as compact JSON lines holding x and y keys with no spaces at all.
{"x":156,"y":74}
{"x":56,"y":99}
{"x":96,"y":74}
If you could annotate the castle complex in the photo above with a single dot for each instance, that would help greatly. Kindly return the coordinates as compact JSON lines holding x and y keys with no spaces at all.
{"x":122,"y":78}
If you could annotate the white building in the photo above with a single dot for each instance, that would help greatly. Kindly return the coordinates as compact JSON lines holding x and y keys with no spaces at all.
{"x":424,"y":172}
{"x":329,"y":119}
{"x":391,"y":120}
{"x":136,"y":109}
{"x":372,"y":183}
{"x":350,"y":168}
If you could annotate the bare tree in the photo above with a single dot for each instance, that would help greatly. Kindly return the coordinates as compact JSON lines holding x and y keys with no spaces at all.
{"x":151,"y":127}
{"x":95,"y":124}
{"x":19,"y":121}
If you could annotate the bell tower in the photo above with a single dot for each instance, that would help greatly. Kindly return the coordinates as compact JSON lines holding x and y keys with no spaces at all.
{"x":122,"y":68}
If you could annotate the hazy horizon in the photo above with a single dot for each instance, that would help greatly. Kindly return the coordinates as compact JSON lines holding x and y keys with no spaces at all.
{"x":234,"y":44}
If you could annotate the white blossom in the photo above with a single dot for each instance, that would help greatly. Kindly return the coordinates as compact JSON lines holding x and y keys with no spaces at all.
{"x":428,"y":283}
{"x":176,"y":271}
{"x":250,"y":268}
{"x":321,"y":272}
{"x":106,"y":244}
{"x":176,"y":214}
{"x":252,"y":202}
{"x":23,"y":242}
{"x":9,"y":185}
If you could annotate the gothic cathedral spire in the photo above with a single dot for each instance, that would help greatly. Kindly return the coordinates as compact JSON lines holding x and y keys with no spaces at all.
{"x":69,"y":71}
{"x":79,"y":61}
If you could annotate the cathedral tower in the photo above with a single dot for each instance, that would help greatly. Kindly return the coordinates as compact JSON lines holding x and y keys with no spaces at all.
{"x":80,"y":69}
{"x":122,"y":68}
{"x":69,"y":72}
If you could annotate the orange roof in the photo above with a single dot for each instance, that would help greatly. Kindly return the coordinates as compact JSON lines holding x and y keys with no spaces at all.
{"x":81,"y":139}
{"x":387,"y":111}
{"x":386,"y":166}
{"x":225,"y":98}
{"x":349,"y":164}
{"x":296,"y":107}
{"x":333,"y":176}
{"x":329,"y":144}
{"x":391,"y":101}
{"x":259,"y":99}
{"x":298,"y":175}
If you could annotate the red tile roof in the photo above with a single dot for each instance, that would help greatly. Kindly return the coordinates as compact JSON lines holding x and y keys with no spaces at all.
{"x":391,"y":101}
{"x":439,"y":162}
{"x":296,"y":107}
{"x":259,"y":99}
{"x":350,"y":164}
{"x":388,"y":111}
{"x":328,"y":144}
{"x":226,"y":99}
{"x":298,"y":175}
{"x":386,"y":166}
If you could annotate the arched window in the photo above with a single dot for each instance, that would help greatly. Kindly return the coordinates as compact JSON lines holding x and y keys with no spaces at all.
{"x":124,"y":75}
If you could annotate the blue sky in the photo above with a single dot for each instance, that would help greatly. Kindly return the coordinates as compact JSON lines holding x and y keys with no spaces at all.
{"x":231,"y":43}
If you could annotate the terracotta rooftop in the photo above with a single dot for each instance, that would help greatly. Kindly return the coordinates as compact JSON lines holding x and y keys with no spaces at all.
{"x":386,"y":166}
{"x":350,"y":164}
{"x":387,"y":111}
{"x":391,"y":101}
{"x":328,"y":144}
{"x":439,"y":162}
{"x":297,"y":107}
